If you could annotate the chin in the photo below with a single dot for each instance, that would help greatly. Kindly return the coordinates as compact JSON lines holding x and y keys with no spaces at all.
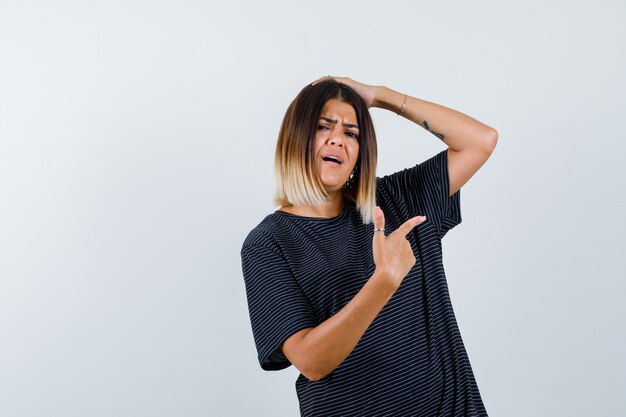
{"x":333,"y":182}
{"x":331,"y":187}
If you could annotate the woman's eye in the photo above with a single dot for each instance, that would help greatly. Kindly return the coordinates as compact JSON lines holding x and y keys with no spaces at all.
{"x":352,"y":135}
{"x":322,"y":127}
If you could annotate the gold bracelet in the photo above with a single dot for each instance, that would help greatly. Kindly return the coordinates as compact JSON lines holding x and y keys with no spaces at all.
{"x":403,"y":108}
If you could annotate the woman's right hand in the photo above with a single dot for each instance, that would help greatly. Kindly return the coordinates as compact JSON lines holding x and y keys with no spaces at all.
{"x":317,"y":351}
{"x":393,"y":255}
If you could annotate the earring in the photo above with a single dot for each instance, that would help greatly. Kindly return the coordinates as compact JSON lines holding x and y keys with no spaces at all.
{"x":350,"y":181}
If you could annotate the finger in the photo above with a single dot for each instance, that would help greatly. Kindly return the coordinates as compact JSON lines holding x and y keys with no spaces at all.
{"x":379,"y":223}
{"x":410,"y":224}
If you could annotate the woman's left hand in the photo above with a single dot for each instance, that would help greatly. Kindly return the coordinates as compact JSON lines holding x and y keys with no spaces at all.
{"x":367,"y":92}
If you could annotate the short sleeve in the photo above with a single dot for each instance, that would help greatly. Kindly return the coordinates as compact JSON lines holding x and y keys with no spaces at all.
{"x":425,"y":190}
{"x":278,"y":308}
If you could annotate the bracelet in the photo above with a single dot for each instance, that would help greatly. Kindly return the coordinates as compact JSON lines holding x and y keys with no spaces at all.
{"x":403,"y":108}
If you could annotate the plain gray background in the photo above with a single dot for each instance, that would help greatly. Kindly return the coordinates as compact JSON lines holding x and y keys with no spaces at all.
{"x":136,"y":152}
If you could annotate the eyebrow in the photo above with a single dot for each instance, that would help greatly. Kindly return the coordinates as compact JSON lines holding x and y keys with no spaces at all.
{"x":348,"y":125}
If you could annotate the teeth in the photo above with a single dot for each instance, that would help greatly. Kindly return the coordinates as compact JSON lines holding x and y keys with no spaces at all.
{"x":332,"y":158}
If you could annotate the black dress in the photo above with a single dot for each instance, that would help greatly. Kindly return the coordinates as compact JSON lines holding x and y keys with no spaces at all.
{"x":411,"y":361}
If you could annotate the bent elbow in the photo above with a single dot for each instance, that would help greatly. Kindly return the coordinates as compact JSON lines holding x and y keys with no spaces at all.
{"x":314,"y":372}
{"x":491,"y":140}
{"x":300,"y":350}
{"x":483,"y":142}
{"x":311,"y":377}
{"x":315,"y":375}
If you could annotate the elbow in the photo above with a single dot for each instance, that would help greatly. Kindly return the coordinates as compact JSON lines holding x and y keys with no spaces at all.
{"x":309,"y":361}
{"x":302,"y":357}
{"x":482,"y":141}
{"x":485,"y":142}
{"x":314,"y":376}
{"x":490,"y":140}
{"x":314,"y":373}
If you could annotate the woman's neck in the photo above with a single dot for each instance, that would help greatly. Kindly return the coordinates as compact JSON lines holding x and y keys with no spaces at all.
{"x":332,"y":207}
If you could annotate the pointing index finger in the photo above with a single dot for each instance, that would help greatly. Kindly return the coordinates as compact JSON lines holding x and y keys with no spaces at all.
{"x":410,"y":224}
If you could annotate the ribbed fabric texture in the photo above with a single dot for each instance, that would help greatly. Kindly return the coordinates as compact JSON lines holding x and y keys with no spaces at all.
{"x":411,"y":361}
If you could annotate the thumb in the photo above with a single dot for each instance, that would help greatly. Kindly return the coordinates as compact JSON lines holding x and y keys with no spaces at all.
{"x":379,"y":223}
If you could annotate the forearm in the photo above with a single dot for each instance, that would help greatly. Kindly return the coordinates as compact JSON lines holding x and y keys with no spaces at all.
{"x":459,"y":131}
{"x":318,"y":351}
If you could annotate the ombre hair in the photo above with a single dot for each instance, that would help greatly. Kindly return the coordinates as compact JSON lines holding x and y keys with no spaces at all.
{"x":297,"y":179}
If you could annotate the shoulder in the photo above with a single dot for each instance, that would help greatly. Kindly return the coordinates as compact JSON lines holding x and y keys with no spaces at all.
{"x":264,"y":234}
{"x":438,"y":161}
{"x":422,"y":177}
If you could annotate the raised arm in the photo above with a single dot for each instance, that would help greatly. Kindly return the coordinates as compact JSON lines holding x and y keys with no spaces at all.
{"x":470,"y":142}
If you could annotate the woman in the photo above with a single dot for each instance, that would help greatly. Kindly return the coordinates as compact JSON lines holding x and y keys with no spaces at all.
{"x":363,"y":312}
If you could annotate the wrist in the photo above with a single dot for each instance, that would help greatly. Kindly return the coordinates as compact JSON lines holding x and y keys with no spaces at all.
{"x":388,"y":99}
{"x":380,"y":93}
{"x":384,"y":281}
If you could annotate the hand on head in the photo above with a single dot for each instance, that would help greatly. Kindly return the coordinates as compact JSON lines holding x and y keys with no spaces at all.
{"x":367,"y":92}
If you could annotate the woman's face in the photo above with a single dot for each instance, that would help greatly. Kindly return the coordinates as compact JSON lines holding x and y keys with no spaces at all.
{"x":336,"y":144}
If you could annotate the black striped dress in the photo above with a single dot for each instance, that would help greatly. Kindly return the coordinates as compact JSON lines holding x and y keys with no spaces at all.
{"x":411,"y":361}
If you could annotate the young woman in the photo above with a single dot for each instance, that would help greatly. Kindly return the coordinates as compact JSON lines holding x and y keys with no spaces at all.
{"x":361,"y":310}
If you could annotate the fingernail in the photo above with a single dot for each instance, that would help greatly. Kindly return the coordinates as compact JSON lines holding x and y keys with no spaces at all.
{"x":378,"y":212}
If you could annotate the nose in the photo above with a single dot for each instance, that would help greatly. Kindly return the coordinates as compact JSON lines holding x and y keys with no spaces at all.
{"x":335,"y":137}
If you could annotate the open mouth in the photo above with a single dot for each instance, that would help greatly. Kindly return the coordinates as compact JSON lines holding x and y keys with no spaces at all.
{"x":331,"y":158}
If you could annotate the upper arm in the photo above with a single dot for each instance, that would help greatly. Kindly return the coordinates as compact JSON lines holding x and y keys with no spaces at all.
{"x":463,"y":164}
{"x":277,"y":305}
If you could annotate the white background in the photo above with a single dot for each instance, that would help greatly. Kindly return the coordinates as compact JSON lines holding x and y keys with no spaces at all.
{"x":136,"y":152}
